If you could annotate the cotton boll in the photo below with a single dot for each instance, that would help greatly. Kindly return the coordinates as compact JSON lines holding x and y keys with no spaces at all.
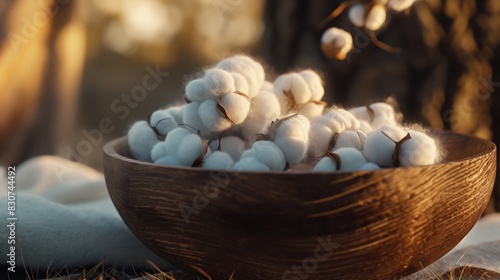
{"x":257,"y":67}
{"x":381,"y":109}
{"x":379,"y":148}
{"x":196,"y":90}
{"x":234,"y":64}
{"x":382,"y":121}
{"x":312,"y":110}
{"x":292,"y":136}
{"x":376,"y":18}
{"x":326,"y":164}
{"x":218,"y":160}
{"x":191,"y":118}
{"x":357,"y":15}
{"x":267,"y":86}
{"x":265,"y":107}
{"x":250,"y":164}
{"x":232,"y":145}
{"x":158,"y":151}
{"x":365,"y":127}
{"x":240,"y":83}
{"x":369,"y":166}
{"x":336,"y":43}
{"x":319,"y":136}
{"x":162,"y":121}
{"x":350,"y":159}
{"x":400,"y":5}
{"x":294,"y":88}
{"x":314,"y":83}
{"x":211,"y":118}
{"x":268,"y":153}
{"x":141,"y":140}
{"x":237,"y":107}
{"x":419,"y":150}
{"x":339,"y":120}
{"x":189,"y":149}
{"x":176,"y":112}
{"x":348,"y":139}
{"x":174,"y":139}
{"x":218,"y":82}
{"x":169,"y":160}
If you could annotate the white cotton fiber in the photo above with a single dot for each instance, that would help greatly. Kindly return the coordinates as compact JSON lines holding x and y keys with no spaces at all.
{"x":218,"y":82}
{"x":420,"y":150}
{"x":339,"y":120}
{"x":211,"y":118}
{"x":267,"y":86}
{"x":292,"y":136}
{"x":240,"y":83}
{"x":176,"y":112}
{"x":365,"y":127}
{"x":400,"y":5}
{"x":218,"y":160}
{"x":141,"y":140}
{"x":162,"y":121}
{"x":336,"y":43}
{"x":246,"y":69}
{"x":312,"y":110}
{"x":350,"y":159}
{"x":189,"y":149}
{"x":250,"y":164}
{"x":257,"y":67}
{"x":326,"y":164}
{"x":349,"y":139}
{"x":268,"y":153}
{"x":196,"y":91}
{"x":319,"y":138}
{"x":265,"y":108}
{"x":295,"y":85}
{"x":158,"y":151}
{"x":369,"y":166}
{"x":191,"y":118}
{"x":357,"y":15}
{"x":376,"y":18}
{"x":237,"y":107}
{"x":314,"y":83}
{"x":383,"y":114}
{"x":379,"y":148}
{"x":232,"y":145}
{"x":174,"y":139}
{"x":169,"y":160}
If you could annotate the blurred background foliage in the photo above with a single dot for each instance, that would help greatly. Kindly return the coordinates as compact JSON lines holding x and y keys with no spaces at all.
{"x":64,"y":63}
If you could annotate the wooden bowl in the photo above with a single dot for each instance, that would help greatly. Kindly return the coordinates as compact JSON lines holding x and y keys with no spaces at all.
{"x":280,"y":225}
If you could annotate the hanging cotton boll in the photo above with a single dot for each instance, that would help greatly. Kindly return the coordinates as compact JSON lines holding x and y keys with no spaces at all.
{"x":268,"y":153}
{"x":369,"y":166}
{"x":197,"y":91}
{"x":419,"y":150}
{"x":265,"y":107}
{"x":218,"y":160}
{"x":292,"y":91}
{"x":162,"y":122}
{"x":336,"y":43}
{"x":168,"y":160}
{"x":240,"y":83}
{"x":292,"y":136}
{"x":348,"y":139}
{"x":357,"y":14}
{"x":314,"y":83}
{"x":191,"y":149}
{"x":375,"y":18}
{"x":211,"y":118}
{"x":326,"y":164}
{"x":247,"y":70}
{"x":191,"y":118}
{"x":176,"y":112}
{"x":236,"y":107}
{"x":267,"y":86}
{"x":250,"y":164}
{"x":312,"y":109}
{"x":232,"y":145}
{"x":380,"y":145}
{"x":141,"y":140}
{"x":400,"y":5}
{"x":350,"y":159}
{"x":218,"y":82}
{"x":158,"y":151}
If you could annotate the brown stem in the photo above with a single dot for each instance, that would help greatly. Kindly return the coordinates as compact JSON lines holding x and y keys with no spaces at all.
{"x":383,"y":45}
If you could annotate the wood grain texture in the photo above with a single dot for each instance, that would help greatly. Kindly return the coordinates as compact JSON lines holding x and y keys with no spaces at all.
{"x":384,"y":224}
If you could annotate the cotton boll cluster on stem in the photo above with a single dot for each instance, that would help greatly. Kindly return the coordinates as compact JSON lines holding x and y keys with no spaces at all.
{"x":336,"y":43}
{"x":235,"y":120}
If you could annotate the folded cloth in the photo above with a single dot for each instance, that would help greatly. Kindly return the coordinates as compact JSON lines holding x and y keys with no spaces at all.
{"x":65,"y":219}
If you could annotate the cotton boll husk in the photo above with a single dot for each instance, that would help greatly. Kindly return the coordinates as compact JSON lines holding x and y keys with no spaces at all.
{"x":319,"y":137}
{"x":369,"y":166}
{"x":196,"y":90}
{"x":350,"y":159}
{"x":265,"y":108}
{"x":247,"y":70}
{"x":312,"y":110}
{"x":292,"y":136}
{"x":218,"y":160}
{"x":176,"y":112}
{"x":325,"y":164}
{"x":240,"y":83}
{"x":211,"y":118}
{"x":357,"y":15}
{"x":141,"y":140}
{"x":189,"y":149}
{"x":348,"y":139}
{"x":268,"y":153}
{"x":158,"y":151}
{"x":400,"y":5}
{"x":191,"y":118}
{"x":163,"y":121}
{"x":336,"y":43}
{"x":237,"y":107}
{"x":218,"y":82}
{"x":174,"y":139}
{"x":376,"y":18}
{"x":169,"y":160}
{"x":250,"y":164}
{"x":379,"y":148}
{"x":232,"y":145}
{"x":315,"y":84}
{"x":420,"y":150}
{"x":294,"y":83}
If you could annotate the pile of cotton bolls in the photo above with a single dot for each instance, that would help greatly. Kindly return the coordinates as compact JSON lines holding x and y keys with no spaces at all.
{"x":236,"y":120}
